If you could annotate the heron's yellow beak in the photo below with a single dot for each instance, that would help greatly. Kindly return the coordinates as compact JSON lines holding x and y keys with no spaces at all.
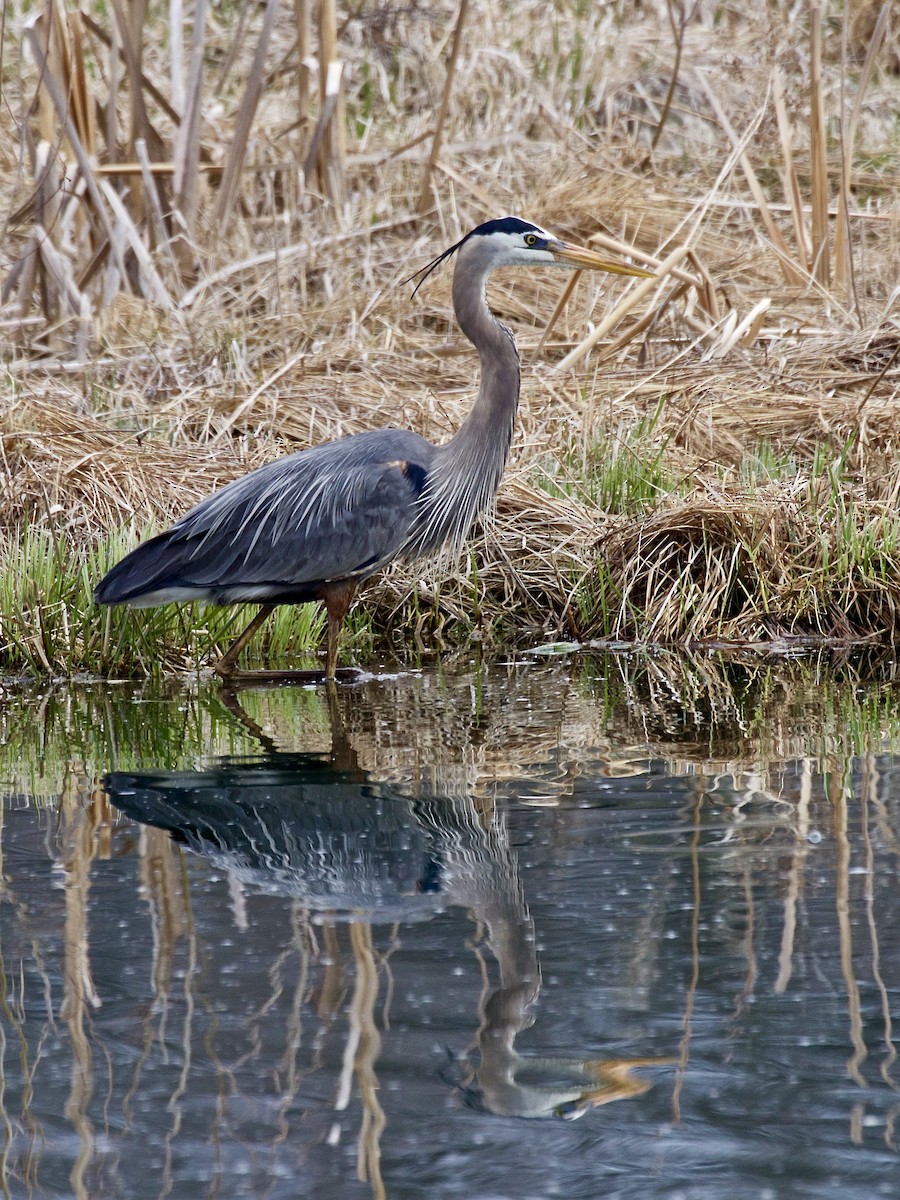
{"x":590,"y":260}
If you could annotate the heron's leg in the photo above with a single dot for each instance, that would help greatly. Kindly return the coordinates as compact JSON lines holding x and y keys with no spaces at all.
{"x":225,"y":665}
{"x":337,"y":597}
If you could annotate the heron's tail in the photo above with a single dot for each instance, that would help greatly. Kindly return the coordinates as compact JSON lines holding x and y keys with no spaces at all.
{"x":148,"y":576}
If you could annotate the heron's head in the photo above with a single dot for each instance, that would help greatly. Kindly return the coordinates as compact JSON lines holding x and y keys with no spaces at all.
{"x":512,"y":242}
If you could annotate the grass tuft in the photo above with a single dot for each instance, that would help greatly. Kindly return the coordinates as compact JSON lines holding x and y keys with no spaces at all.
{"x":49,"y":624}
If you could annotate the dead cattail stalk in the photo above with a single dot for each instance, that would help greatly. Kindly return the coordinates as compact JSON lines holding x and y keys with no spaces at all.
{"x":677,"y":27}
{"x":843,"y":263}
{"x":48,"y":186}
{"x":425,"y":190}
{"x":70,"y":298}
{"x":157,"y":220}
{"x":235,"y":48}
{"x":24,"y":279}
{"x":790,"y":181}
{"x":147,"y":85}
{"x":735,"y":332}
{"x":238,"y":152}
{"x":97,"y":208}
{"x":150,"y":283}
{"x":130,"y":27}
{"x":557,"y":311}
{"x":187,"y":140}
{"x":304,"y":72}
{"x":785,"y":259}
{"x":704,"y":287}
{"x":112,"y":99}
{"x":330,"y":149}
{"x":821,"y":264}
{"x":325,"y":119}
{"x":699,"y":280}
{"x":82,"y":102}
{"x":176,"y":54}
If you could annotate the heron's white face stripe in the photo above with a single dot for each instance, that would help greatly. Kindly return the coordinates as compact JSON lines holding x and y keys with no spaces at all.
{"x":507,"y":249}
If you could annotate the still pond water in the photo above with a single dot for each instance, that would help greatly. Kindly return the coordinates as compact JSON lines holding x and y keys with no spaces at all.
{"x":390,"y":941}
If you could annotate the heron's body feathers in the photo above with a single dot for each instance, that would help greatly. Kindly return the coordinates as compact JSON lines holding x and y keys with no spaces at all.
{"x":279,"y":534}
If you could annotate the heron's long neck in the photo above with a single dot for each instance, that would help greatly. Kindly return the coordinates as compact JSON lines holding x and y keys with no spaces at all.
{"x":490,"y":422}
{"x":466,"y":471}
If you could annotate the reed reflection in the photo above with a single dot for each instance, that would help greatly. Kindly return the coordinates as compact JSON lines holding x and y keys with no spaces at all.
{"x":719,"y":888}
{"x":351,"y":848}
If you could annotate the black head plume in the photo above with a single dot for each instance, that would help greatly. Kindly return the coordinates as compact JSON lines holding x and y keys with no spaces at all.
{"x":423,"y":272}
{"x":499,"y":225}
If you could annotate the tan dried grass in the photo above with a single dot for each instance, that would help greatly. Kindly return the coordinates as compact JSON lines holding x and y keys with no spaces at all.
{"x":218,"y":352}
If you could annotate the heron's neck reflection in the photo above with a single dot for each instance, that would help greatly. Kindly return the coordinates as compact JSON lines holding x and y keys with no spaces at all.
{"x":353,"y":848}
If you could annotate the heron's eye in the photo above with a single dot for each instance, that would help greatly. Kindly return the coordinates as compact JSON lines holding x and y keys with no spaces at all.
{"x":531,"y":239}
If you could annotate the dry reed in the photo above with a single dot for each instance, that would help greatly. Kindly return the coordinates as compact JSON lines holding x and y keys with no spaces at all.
{"x":189,"y":286}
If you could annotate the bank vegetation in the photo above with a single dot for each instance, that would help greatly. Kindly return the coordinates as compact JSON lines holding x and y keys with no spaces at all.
{"x":209,"y":214}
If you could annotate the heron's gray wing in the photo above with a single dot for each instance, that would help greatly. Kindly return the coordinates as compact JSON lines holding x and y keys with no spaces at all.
{"x":301,"y":523}
{"x":341,"y":510}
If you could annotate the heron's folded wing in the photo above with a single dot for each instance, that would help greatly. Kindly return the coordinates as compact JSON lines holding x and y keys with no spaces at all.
{"x":300,"y":522}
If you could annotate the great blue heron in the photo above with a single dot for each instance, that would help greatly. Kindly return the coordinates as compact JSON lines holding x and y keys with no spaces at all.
{"x":313,"y":525}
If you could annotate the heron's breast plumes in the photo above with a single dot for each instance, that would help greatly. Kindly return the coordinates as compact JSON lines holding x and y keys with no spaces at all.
{"x":465,"y":473}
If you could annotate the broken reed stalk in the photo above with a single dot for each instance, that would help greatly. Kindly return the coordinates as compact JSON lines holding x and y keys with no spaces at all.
{"x":67,"y":66}
{"x":231,"y":177}
{"x":97,"y":208}
{"x":561,"y":303}
{"x":145,"y":84}
{"x":821,"y":262}
{"x":677,"y":27}
{"x":130,"y":38}
{"x":789,"y":180}
{"x":157,"y":219}
{"x":318,"y":142}
{"x":632,"y":299}
{"x":176,"y":54}
{"x":186,"y":153}
{"x":329,"y":137}
{"x":425,"y":190}
{"x":789,"y":271}
{"x":72,"y":302}
{"x":304,"y":73}
{"x":114,"y":69}
{"x":699,"y":281}
{"x":48,"y":193}
{"x":131,"y":34}
{"x":843,"y":263}
{"x":149,"y":280}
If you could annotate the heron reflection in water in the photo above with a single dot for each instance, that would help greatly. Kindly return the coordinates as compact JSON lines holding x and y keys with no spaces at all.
{"x":319,"y":829}
{"x":314,"y":525}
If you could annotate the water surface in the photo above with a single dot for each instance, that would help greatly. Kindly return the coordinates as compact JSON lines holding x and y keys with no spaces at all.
{"x":607,"y":928}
